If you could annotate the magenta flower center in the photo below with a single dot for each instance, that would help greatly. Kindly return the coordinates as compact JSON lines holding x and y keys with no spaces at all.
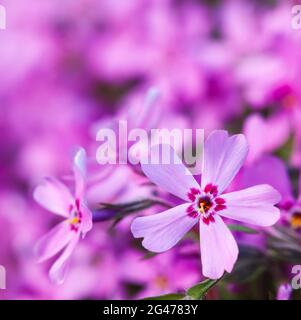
{"x":75,"y":216}
{"x":205,"y":203}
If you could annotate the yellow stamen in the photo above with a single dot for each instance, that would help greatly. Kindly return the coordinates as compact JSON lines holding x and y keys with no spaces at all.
{"x":74,"y":220}
{"x":202,"y":207}
{"x":296,"y":220}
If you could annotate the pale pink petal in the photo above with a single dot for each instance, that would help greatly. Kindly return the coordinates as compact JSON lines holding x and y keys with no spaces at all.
{"x":284,"y":291}
{"x":53,"y":241}
{"x":254,"y":205}
{"x":58,"y":270}
{"x":53,"y":196}
{"x":219,"y":249}
{"x":173,"y":176}
{"x":223,"y":158}
{"x":275,"y":131}
{"x":278,"y":129}
{"x":163,"y":230}
{"x":146,"y":115}
{"x":86,"y":224}
{"x":79,"y":168}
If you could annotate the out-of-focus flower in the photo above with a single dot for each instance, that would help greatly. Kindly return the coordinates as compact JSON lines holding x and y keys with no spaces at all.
{"x":223,"y":157}
{"x":157,"y":41}
{"x":55,"y":197}
{"x":275,"y":131}
{"x":137,"y":115}
{"x":120,"y":182}
{"x":272,"y":170}
{"x":161,"y":274}
{"x":86,"y":64}
{"x":284,"y":292}
{"x":267,"y":73}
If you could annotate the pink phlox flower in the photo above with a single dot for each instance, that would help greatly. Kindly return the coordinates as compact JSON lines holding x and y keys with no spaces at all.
{"x":206,"y":204}
{"x":284,"y":291}
{"x":273,"y":171}
{"x":56,"y":197}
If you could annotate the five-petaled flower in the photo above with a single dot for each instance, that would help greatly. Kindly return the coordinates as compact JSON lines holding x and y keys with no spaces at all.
{"x":206,"y":203}
{"x":56,"y":197}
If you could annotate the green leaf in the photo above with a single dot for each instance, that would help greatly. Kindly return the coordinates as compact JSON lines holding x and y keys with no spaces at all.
{"x":240,"y":228}
{"x":250,"y":265}
{"x":199,"y":291}
{"x":192,"y":235}
{"x":149,"y":255}
{"x":169,"y":296}
{"x":121,"y":210}
{"x":286,"y":150}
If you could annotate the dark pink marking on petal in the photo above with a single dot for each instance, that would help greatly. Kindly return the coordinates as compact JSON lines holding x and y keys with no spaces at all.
{"x":190,"y":208}
{"x":220,"y":201}
{"x":214,"y":190}
{"x":195,"y":191}
{"x":192,"y":194}
{"x":208,"y":188}
{"x":191,"y":197}
{"x":220,"y":207}
{"x":191,"y":212}
{"x":73,"y":228}
{"x":77,"y":203}
{"x":208,"y":220}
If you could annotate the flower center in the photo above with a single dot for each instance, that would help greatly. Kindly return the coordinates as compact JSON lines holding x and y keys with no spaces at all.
{"x":75,"y":216}
{"x":205,"y":203}
{"x":296,"y":220}
{"x":287,"y":97}
{"x":161,"y":282}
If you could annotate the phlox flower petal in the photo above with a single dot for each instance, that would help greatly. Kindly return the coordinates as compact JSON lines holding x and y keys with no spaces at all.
{"x":53,"y":196}
{"x":163,"y":230}
{"x":173,"y":177}
{"x":223,"y":157}
{"x":53,"y":241}
{"x":254,"y":205}
{"x":79,"y":168}
{"x":87,"y":222}
{"x":219,"y":249}
{"x":58,"y":270}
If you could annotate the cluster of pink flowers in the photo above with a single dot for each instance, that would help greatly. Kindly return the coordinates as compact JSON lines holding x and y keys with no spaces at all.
{"x":70,"y":68}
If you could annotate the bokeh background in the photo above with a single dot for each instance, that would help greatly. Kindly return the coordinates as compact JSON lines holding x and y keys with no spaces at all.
{"x":68,"y":67}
